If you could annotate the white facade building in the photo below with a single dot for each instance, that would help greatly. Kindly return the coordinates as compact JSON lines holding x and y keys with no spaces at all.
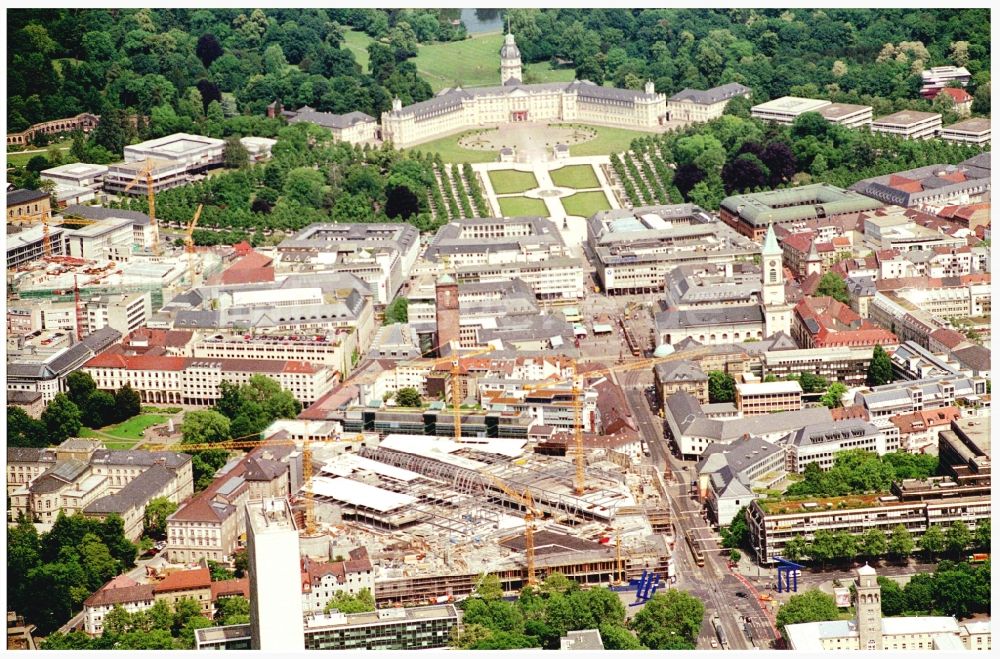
{"x":275,"y":582}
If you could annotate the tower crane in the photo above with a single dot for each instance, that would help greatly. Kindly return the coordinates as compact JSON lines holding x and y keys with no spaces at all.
{"x":146,"y":173}
{"x":579,"y":482}
{"x":530,"y":515}
{"x":43,"y":217}
{"x":189,"y":243}
{"x":255,"y":441}
{"x":456,"y":389}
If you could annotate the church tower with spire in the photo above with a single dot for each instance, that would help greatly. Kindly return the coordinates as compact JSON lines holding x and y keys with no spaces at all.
{"x":777,"y":314}
{"x":510,"y":60}
{"x":814,"y":264}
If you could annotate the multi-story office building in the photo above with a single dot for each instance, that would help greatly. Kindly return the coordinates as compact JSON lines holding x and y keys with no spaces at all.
{"x":125,"y":313}
{"x":909,"y":124}
{"x":195,"y":152}
{"x":635,"y":249}
{"x":848,"y":115}
{"x":971,"y":131}
{"x":28,"y":244}
{"x":697,"y":105}
{"x":422,"y":627}
{"x":557,"y":278}
{"x":932,"y":187}
{"x":774,"y":522}
{"x":786,"y":110}
{"x":768,"y":397}
{"x":109,"y":240}
{"x":908,"y":396}
{"x":77,"y":174}
{"x":166,"y":174}
{"x":275,"y":580}
{"x":495,"y":241}
{"x":821,"y":443}
{"x":842,"y":363}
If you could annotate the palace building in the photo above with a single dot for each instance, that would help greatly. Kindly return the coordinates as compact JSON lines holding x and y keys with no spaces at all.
{"x":457,"y":109}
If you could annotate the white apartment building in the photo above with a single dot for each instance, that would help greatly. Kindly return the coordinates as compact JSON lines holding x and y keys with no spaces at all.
{"x":123,"y":592}
{"x":553,"y":279}
{"x":786,"y":110}
{"x":937,"y":78}
{"x":126,"y":312}
{"x":275,"y":580}
{"x":330,"y":349}
{"x":324,"y":580}
{"x":910,"y":124}
{"x":767,"y":397}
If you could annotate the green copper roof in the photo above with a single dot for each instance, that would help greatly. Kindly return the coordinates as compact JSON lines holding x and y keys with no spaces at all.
{"x":771,"y":242}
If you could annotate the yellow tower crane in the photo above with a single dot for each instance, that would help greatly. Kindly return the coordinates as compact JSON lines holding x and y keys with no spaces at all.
{"x":146,"y":174}
{"x":456,"y":388}
{"x":530,"y":515}
{"x":189,"y":244}
{"x":579,"y":455}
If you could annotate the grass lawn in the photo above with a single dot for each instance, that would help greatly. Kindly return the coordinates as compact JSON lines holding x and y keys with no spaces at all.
{"x":607,"y":141}
{"x":578,"y":177}
{"x":519,"y":206}
{"x":123,"y":445}
{"x":507,"y":181}
{"x":357,"y":42}
{"x":21,"y":159}
{"x":451,"y":152}
{"x":132,"y":428}
{"x":585,"y":204}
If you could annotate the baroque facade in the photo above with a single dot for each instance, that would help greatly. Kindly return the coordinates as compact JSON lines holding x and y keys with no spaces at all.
{"x":457,"y":109}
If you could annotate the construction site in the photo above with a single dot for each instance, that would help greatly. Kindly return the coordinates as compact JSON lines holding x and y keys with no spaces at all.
{"x":439,"y":514}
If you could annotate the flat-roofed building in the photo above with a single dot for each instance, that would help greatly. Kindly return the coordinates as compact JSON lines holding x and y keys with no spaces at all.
{"x":410,"y":628}
{"x":195,"y":152}
{"x":909,"y":124}
{"x":108,"y":240}
{"x":556,"y":278}
{"x":965,"y":452}
{"x":258,"y":148}
{"x":275,"y":580}
{"x":635,"y":249}
{"x":768,"y":397}
{"x":786,"y":110}
{"x":971,"y":131}
{"x":908,"y":396}
{"x":774,"y":522}
{"x":697,"y":105}
{"x":166,"y":174}
{"x":848,"y":115}
{"x":28,"y":244}
{"x":78,"y":174}
{"x":752,"y":213}
{"x":125,"y":312}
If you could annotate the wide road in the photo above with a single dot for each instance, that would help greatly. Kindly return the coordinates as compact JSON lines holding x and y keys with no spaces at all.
{"x":713,"y":584}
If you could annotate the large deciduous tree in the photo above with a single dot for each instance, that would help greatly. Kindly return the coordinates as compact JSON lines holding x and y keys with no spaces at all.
{"x":669,"y":620}
{"x":880,"y":368}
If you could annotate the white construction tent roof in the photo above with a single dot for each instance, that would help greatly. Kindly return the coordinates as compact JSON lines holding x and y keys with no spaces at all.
{"x":360,"y":494}
{"x":346,"y":464}
{"x":440,"y":448}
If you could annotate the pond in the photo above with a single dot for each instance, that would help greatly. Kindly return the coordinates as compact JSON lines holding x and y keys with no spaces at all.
{"x":477,"y":21}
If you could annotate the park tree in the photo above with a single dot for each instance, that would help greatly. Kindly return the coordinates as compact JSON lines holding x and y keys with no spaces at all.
{"x":880,"y":368}
{"x":796,"y":548}
{"x":832,"y":285}
{"x":233,"y":610}
{"x":208,"y":49}
{"x":205,"y":427}
{"x":345,"y":603}
{"x":893,"y":599}
{"x":127,"y":402}
{"x":873,"y":544}
{"x":619,"y":638}
{"x":155,"y":517}
{"x":810,"y":606}
{"x":957,"y":538}
{"x":98,"y":410}
{"x":408,"y":397}
{"x":397,"y":311}
{"x":61,"y":419}
{"x":932,"y":542}
{"x":79,"y":386}
{"x":900,"y":542}
{"x":669,"y":620}
{"x":721,"y":387}
{"x":812,"y":383}
{"x":24,"y":431}
{"x":981,"y":538}
{"x":234,"y":154}
{"x":489,"y":587}
{"x":737,"y":534}
{"x":833,"y":397}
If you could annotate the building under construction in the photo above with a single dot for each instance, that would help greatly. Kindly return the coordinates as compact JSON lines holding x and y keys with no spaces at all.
{"x":438,"y":514}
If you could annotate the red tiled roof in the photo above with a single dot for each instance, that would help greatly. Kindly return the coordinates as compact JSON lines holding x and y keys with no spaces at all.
{"x":957,"y":95}
{"x":138,"y":362}
{"x":839,"y":325}
{"x":184,"y":580}
{"x":123,"y":595}
{"x":242,"y":248}
{"x":924,"y":419}
{"x":252,"y":268}
{"x":849,"y":412}
{"x":949,"y":338}
{"x":231,"y":587}
{"x":799,"y":242}
{"x":954,"y":177}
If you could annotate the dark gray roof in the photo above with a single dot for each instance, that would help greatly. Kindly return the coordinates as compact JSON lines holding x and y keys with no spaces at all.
{"x":836,"y":431}
{"x":687,"y":318}
{"x":58,"y":476}
{"x":710,"y":96}
{"x":261,"y":469}
{"x":679,"y":371}
{"x":739,"y":456}
{"x":99,"y":213}
{"x":21,"y":454}
{"x":68,"y":360}
{"x":141,"y":458}
{"x":101,"y":339}
{"x":24,"y":196}
{"x":18,"y":397}
{"x":329,"y":120}
{"x":976,"y":358}
{"x":137,"y":493}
